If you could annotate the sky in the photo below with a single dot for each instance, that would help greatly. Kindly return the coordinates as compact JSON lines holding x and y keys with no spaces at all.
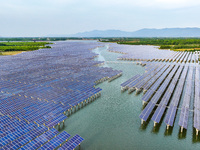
{"x":26,"y":18}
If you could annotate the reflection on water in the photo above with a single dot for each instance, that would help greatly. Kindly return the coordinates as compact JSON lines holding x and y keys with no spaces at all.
{"x":112,"y":121}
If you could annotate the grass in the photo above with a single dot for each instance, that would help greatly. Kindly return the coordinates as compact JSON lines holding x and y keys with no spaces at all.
{"x":13,"y":48}
{"x":192,"y":49}
{"x":28,"y":39}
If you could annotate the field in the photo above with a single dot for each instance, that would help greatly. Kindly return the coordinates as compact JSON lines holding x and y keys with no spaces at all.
{"x":177,"y":44}
{"x":13,"y":48}
{"x":41,"y":39}
{"x":11,"y":53}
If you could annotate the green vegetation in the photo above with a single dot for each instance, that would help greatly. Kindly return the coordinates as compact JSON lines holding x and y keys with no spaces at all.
{"x":28,"y":39}
{"x":21,"y":44}
{"x":179,"y":44}
{"x":18,"y":47}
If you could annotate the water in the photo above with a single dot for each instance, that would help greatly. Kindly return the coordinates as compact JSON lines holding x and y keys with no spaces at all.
{"x":112,"y":121}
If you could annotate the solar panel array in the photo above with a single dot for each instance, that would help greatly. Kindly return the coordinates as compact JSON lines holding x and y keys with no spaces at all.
{"x":38,"y":89}
{"x":138,"y":52}
{"x":158,"y":94}
{"x":166,"y":97}
{"x":196,"y":121}
{"x":15,"y":134}
{"x":55,"y":142}
{"x":170,"y":82}
{"x":151,"y":53}
{"x":166,"y":86}
{"x":72,"y":143}
{"x":172,"y":109}
{"x":39,"y":141}
{"x":22,"y":140}
{"x":183,"y":120}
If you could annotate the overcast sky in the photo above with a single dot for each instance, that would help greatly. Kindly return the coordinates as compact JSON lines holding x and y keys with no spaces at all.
{"x":44,"y":17}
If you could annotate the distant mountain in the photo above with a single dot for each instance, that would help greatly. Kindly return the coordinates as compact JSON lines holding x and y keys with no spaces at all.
{"x":97,"y":33}
{"x":105,"y":33}
{"x":166,"y":32}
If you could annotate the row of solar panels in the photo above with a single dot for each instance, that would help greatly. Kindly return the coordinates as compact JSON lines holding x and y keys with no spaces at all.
{"x":30,"y":109}
{"x":28,"y":104}
{"x":167,"y":91}
{"x":156,"y":83}
{"x":166,"y":97}
{"x":132,"y":83}
{"x":29,"y":136}
{"x":197,"y":100}
{"x":150,"y":76}
{"x":183,"y":120}
{"x":140,"y":54}
{"x":157,"y":95}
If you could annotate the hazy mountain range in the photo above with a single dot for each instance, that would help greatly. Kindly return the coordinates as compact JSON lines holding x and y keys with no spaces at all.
{"x":166,"y":32}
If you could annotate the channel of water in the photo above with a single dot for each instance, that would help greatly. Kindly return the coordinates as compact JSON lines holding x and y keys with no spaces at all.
{"x":112,"y":121}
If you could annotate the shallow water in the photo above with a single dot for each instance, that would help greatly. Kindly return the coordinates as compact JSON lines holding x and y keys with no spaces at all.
{"x":112,"y":121}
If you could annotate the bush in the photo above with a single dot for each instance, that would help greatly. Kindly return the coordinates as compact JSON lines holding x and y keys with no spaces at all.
{"x":165,"y":47}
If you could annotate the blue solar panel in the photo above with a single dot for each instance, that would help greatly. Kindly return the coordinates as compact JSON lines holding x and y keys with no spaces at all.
{"x":41,"y":85}
{"x":165,"y":99}
{"x":170,"y":116}
{"x":72,"y":143}
{"x":183,"y":120}
{"x":55,"y":142}
{"x":40,"y":140}
{"x":156,"y":85}
{"x":56,"y":120}
{"x":26,"y":138}
{"x":150,"y":106}
{"x":196,"y":120}
{"x":15,"y":134}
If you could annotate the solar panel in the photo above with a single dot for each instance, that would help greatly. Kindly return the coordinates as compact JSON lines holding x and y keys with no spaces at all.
{"x":42,"y":139}
{"x":55,"y":142}
{"x":39,"y":86}
{"x":183,"y":120}
{"x":72,"y":143}
{"x":170,"y":116}
{"x":150,"y":106}
{"x":26,"y":138}
{"x":165,"y":99}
